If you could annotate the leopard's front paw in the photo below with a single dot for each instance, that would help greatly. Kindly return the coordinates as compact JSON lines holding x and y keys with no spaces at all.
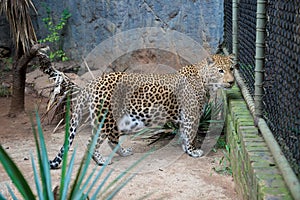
{"x":121,"y":151}
{"x":196,"y":153}
{"x":100,"y":160}
{"x":125,"y":151}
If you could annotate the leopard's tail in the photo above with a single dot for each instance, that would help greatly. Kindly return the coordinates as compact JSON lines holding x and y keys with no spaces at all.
{"x":80,"y":104}
{"x":54,"y":164}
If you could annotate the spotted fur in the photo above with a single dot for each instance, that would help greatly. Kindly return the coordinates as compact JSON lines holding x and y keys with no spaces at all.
{"x":133,"y":101}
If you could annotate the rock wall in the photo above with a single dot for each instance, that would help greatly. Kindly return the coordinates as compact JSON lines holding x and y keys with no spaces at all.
{"x":95,"y":21}
{"x":5,"y":41}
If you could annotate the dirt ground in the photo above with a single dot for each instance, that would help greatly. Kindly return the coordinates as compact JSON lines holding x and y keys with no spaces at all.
{"x":166,"y":174}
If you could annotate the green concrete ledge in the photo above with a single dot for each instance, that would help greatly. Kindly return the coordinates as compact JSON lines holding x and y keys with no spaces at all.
{"x":254,"y":170}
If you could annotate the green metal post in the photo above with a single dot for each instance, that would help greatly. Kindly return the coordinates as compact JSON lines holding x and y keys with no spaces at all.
{"x":235,"y":48}
{"x":255,"y":105}
{"x":288,"y":174}
{"x":261,"y":19}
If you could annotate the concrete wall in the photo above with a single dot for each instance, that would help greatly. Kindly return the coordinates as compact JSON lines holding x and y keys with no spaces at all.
{"x":94,"y":21}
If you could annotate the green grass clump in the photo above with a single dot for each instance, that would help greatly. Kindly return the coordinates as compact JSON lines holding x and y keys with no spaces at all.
{"x":224,"y":166}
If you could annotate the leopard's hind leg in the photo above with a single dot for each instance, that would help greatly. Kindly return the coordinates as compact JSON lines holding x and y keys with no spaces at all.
{"x":97,"y":156}
{"x":113,"y":141}
{"x":114,"y":136}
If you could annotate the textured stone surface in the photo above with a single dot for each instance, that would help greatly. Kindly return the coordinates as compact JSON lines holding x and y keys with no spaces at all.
{"x":5,"y":41}
{"x":92,"y":22}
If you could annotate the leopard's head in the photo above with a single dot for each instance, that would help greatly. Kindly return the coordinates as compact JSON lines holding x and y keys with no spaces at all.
{"x":220,"y":71}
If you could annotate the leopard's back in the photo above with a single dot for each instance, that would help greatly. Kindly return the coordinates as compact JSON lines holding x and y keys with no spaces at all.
{"x":128,"y":102}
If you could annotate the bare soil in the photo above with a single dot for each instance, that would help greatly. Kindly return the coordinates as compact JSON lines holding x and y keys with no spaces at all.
{"x":167,"y":174}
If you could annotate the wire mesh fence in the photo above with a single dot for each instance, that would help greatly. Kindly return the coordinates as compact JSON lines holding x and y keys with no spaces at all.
{"x":282,"y":68}
{"x":246,"y":34}
{"x":228,"y":25}
{"x":282,"y":82}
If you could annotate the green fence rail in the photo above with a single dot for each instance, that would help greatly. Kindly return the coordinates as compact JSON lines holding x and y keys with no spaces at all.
{"x":265,"y":38}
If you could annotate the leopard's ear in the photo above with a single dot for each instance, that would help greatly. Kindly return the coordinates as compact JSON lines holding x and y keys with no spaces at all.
{"x":210,"y":60}
{"x":231,"y":56}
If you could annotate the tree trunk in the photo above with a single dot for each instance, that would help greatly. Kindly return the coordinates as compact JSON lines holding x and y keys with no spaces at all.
{"x":17,"y":104}
{"x":18,"y":100}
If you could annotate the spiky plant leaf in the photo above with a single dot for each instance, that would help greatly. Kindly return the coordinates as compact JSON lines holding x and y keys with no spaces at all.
{"x":100,"y":172}
{"x":118,"y":188}
{"x":36,"y":178}
{"x":65,"y":156}
{"x":94,"y":196}
{"x":2,"y":197}
{"x":43,"y":182}
{"x":118,"y":180}
{"x":15,"y":175}
{"x":11,"y":192}
{"x":76,"y":193}
{"x":67,"y":178}
{"x":43,"y":160}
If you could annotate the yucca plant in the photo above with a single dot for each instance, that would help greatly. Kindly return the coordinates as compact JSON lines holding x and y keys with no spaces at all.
{"x":211,"y":114}
{"x":80,"y":188}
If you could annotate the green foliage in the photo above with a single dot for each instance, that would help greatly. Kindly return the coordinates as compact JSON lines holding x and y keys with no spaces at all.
{"x":7,"y":62}
{"x":15,"y":174}
{"x":80,"y":188}
{"x":5,"y":91}
{"x":59,"y":54}
{"x":224,"y":163}
{"x":211,"y":111}
{"x":170,"y":131}
{"x":221,"y":142}
{"x":54,"y":35}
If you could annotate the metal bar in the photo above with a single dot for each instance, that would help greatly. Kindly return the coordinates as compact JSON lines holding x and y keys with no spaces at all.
{"x":288,"y":174}
{"x":261,"y":19}
{"x":284,"y":166}
{"x":255,"y":105}
{"x":245,"y":92}
{"x":235,"y":41}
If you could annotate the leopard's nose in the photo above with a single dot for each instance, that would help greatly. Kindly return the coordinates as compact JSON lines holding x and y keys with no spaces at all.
{"x":231,"y":82}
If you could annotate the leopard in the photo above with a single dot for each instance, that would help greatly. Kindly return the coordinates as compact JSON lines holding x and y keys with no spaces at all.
{"x":128,"y":102}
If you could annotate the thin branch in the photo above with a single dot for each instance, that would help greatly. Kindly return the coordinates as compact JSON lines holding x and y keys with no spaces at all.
{"x":88,"y":68}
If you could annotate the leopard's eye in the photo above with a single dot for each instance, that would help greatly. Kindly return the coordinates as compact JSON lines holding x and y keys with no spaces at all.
{"x":221,"y":71}
{"x":231,"y":68}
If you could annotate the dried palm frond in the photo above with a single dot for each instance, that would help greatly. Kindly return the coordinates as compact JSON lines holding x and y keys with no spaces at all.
{"x":17,"y":13}
{"x":63,"y":88}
